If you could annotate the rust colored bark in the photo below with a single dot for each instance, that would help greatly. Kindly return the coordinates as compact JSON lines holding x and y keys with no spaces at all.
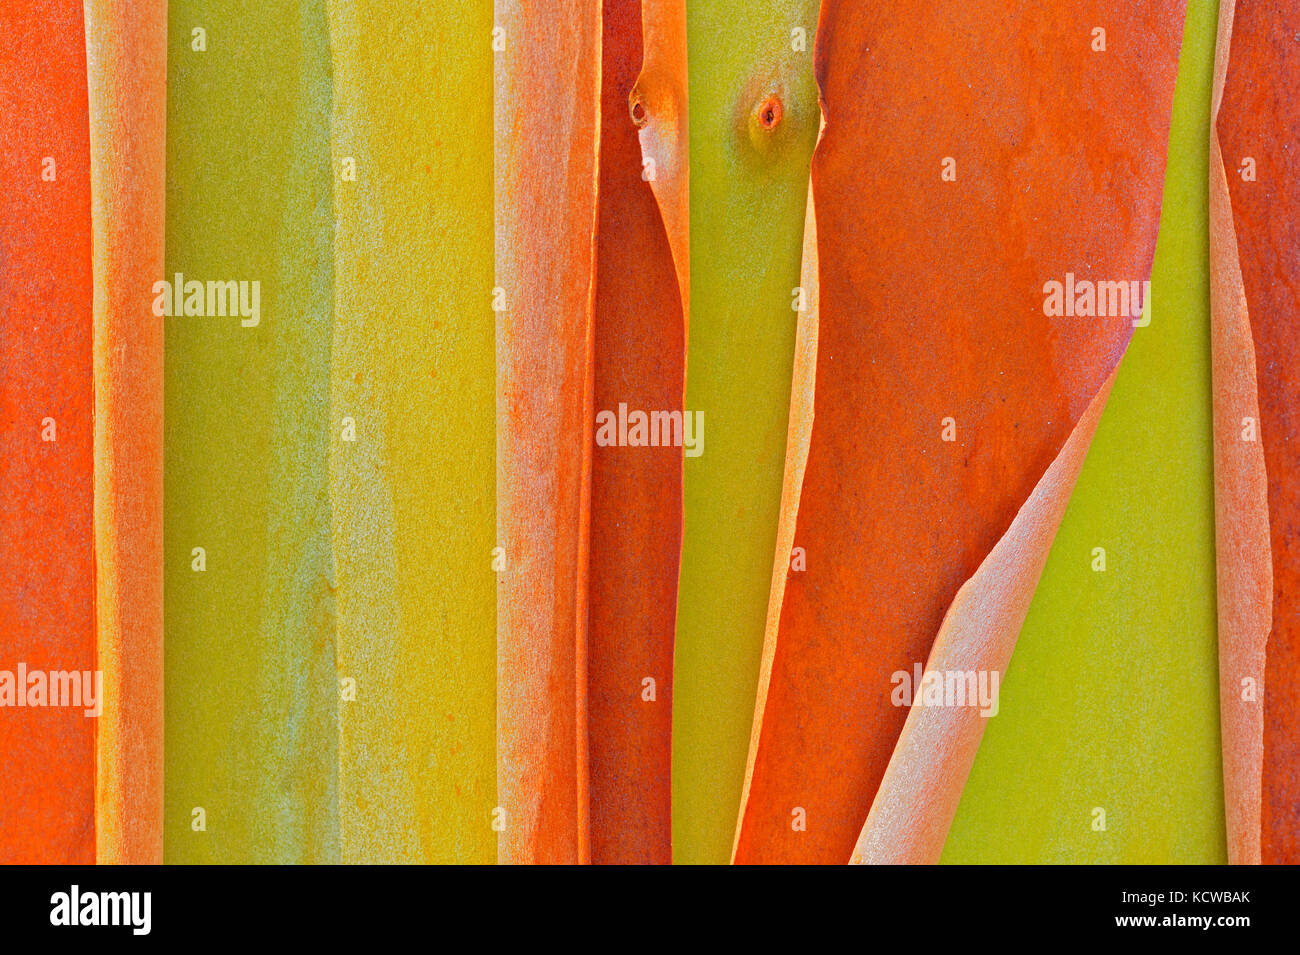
{"x":636,"y":509}
{"x":47,"y":570}
{"x":546,"y":102}
{"x":1255,"y":207}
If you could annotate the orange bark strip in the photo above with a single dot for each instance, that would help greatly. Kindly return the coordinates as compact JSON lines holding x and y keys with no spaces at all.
{"x":932,"y":323}
{"x":127,"y":67}
{"x":547,"y":94}
{"x":47,"y":595}
{"x":1257,"y":124}
{"x":636,"y":492}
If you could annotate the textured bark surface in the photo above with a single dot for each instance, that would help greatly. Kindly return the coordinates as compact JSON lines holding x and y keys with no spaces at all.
{"x":1258,"y":120}
{"x":636,"y":492}
{"x":413,"y":363}
{"x":252,"y":683}
{"x":547,"y":95}
{"x":47,"y":569}
{"x":127,"y":69}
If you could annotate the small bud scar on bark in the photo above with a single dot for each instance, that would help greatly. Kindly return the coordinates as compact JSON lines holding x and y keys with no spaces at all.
{"x":770,"y":112}
{"x":640,"y":116}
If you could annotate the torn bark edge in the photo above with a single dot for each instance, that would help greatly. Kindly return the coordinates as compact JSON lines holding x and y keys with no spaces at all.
{"x":1243,"y":550}
{"x":922,"y":786}
{"x":659,"y":107}
{"x":918,"y":795}
{"x":911,"y":816}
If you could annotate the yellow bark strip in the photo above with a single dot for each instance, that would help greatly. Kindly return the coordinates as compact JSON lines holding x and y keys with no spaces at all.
{"x":754,"y":121}
{"x":412,"y":375}
{"x":252,"y":691}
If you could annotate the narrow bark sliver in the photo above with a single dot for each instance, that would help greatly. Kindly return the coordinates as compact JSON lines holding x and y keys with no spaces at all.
{"x":639,"y":363}
{"x":1255,"y":273}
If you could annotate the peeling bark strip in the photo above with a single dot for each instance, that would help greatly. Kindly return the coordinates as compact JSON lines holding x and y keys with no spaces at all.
{"x":127,"y":66}
{"x":659,"y":106}
{"x":47,"y":571}
{"x":918,"y":796}
{"x":547,"y":94}
{"x":636,"y":493}
{"x":941,"y":399}
{"x":1255,"y":256}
